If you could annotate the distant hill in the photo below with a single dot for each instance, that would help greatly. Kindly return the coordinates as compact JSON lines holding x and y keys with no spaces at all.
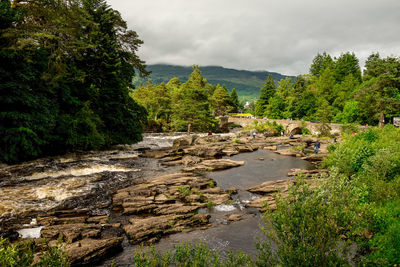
{"x":247,"y":83}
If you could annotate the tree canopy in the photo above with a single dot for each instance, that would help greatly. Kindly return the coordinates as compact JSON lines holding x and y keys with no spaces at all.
{"x":66,"y":71}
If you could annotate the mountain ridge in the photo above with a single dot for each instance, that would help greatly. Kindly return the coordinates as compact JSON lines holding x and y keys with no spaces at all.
{"x":246,"y":82}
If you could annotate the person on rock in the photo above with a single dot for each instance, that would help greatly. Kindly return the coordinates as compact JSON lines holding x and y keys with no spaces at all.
{"x":317,"y":145}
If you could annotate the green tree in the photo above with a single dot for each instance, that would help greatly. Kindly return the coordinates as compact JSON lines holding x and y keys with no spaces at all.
{"x":193,"y":106}
{"x":381,"y":86}
{"x":234,"y":101}
{"x":266,"y":92}
{"x":66,"y":70}
{"x":299,"y":87}
{"x":320,"y":63}
{"x":349,"y":114}
{"x":220,"y":101}
{"x":155,"y":99}
{"x":345,"y":65}
{"x":111,"y":68}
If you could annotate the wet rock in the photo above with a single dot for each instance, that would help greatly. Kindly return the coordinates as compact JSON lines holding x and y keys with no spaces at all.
{"x":142,"y":229}
{"x":262,"y":203}
{"x":173,"y":163}
{"x":71,"y":232}
{"x":184,"y":141}
{"x":112,"y":230}
{"x":271,"y":148}
{"x":190,"y":160}
{"x":314,"y":157}
{"x":88,"y":250}
{"x":235,"y":217}
{"x":206,"y":151}
{"x":172,"y":158}
{"x":271,"y":187}
{"x":217,"y":199}
{"x":53,"y":220}
{"x":232,"y":190}
{"x":98,"y":219}
{"x":213,"y":165}
{"x":230,"y":151}
{"x":212,"y":139}
{"x":174,"y":209}
{"x":212,"y":190}
{"x":161,"y":153}
{"x":244,"y":148}
{"x":10,"y":234}
{"x":193,"y":198}
{"x":287,"y":152}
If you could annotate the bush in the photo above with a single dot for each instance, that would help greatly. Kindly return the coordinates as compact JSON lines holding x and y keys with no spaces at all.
{"x":188,"y":255}
{"x":350,"y":128}
{"x":307,"y":226}
{"x":23,"y":255}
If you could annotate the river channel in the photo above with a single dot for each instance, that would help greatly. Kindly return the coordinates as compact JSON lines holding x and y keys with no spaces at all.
{"x":260,"y":166}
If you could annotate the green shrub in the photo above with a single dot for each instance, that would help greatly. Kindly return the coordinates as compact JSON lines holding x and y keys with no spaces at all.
{"x":210,"y":204}
{"x":23,"y":255}
{"x":187,"y":255}
{"x":184,"y":191}
{"x":350,"y":128}
{"x":385,"y":243}
{"x":307,"y":226}
{"x":360,"y":156}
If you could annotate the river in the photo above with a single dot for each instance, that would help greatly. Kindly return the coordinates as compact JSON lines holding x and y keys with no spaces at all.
{"x":88,"y":180}
{"x":261,"y":166}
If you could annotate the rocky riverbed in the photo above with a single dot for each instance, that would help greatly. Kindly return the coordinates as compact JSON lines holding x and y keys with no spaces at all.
{"x":94,"y":201}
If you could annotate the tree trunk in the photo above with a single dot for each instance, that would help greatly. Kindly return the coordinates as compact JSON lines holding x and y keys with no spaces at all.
{"x":381,"y":119}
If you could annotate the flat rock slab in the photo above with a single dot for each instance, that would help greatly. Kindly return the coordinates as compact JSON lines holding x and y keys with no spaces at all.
{"x":214,"y":165}
{"x":70,"y":232}
{"x":271,"y":187}
{"x":152,"y":228}
{"x":166,"y":204}
{"x":268,"y":189}
{"x":87,"y":251}
{"x":315,"y":157}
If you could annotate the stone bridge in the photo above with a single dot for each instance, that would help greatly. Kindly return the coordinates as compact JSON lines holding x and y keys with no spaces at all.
{"x":291,"y":126}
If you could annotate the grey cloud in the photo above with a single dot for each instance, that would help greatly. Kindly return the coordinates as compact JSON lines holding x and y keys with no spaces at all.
{"x":281,"y":36}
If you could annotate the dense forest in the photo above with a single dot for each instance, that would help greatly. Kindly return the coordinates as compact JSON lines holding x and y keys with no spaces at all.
{"x":175,"y":105}
{"x":335,"y":90}
{"x":247,"y":83}
{"x":66,"y":70}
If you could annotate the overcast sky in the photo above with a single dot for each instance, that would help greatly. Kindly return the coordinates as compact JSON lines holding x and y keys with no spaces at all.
{"x":280,"y":35}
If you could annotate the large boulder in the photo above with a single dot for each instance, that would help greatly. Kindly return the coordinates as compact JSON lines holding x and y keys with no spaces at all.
{"x":184,"y":141}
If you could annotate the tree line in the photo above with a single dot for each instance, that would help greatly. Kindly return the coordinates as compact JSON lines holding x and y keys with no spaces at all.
{"x":335,"y":90}
{"x":66,"y":70}
{"x":175,"y":105}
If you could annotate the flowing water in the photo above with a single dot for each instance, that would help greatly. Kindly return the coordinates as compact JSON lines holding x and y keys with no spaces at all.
{"x":261,"y":166}
{"x":76,"y":180}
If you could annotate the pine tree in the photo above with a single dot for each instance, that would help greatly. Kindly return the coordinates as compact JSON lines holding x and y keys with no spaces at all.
{"x":234,"y":101}
{"x":320,"y":63}
{"x":193,"y":106}
{"x":266,"y":92}
{"x":220,"y":100}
